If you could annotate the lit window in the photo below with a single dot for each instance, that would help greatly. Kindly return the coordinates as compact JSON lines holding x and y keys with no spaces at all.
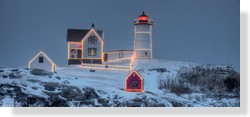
{"x":89,"y":51}
{"x":92,"y":51}
{"x":73,"y":51}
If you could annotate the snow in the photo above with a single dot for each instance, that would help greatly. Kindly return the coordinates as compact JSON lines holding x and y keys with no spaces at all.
{"x":8,"y":102}
{"x":110,"y":81}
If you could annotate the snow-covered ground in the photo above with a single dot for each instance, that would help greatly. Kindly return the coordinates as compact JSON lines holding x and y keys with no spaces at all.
{"x":108,"y":83}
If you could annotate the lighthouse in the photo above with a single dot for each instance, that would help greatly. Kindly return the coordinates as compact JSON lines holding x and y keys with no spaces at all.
{"x":143,"y":37}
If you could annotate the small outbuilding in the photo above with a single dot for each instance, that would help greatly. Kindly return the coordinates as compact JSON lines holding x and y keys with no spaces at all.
{"x":134,"y":82}
{"x":42,"y":61}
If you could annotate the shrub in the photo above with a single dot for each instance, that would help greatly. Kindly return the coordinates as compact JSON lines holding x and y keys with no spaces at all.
{"x":202,"y":78}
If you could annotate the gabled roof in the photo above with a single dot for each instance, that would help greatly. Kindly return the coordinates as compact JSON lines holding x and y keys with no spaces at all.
{"x":46,"y":56}
{"x":95,"y":32}
{"x":141,"y":80}
{"x":76,"y":35}
{"x":134,"y":71}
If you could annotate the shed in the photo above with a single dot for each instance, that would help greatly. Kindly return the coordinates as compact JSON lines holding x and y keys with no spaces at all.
{"x":134,"y":82}
{"x":42,"y":61}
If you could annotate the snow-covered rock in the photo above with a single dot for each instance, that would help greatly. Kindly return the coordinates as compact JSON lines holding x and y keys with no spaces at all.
{"x":77,"y":87}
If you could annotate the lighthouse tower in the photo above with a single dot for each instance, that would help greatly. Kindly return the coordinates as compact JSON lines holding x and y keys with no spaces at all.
{"x":143,"y":37}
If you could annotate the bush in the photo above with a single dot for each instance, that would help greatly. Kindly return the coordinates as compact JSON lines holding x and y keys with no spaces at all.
{"x":174,"y":85}
{"x":202,"y":78}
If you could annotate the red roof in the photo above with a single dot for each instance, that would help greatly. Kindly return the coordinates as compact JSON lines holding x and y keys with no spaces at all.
{"x":143,"y":17}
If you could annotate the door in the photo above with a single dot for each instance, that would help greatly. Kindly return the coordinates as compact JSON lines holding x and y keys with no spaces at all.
{"x":105,"y":57}
{"x":79,"y":54}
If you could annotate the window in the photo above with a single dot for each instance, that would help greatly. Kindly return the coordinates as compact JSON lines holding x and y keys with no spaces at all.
{"x":73,"y":51}
{"x":146,"y":54}
{"x":133,"y":74}
{"x":89,"y":51}
{"x":40,"y":59}
{"x":92,"y":51}
{"x":120,"y":54}
{"x":92,"y":40}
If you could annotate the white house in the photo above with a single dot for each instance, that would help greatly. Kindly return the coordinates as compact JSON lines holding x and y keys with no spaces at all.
{"x":86,"y":46}
{"x":42,"y":61}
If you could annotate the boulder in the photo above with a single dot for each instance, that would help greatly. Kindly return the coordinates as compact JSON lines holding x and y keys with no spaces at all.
{"x":90,"y":93}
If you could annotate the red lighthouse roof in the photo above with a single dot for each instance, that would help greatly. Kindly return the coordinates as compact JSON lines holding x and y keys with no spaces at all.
{"x":143,"y":17}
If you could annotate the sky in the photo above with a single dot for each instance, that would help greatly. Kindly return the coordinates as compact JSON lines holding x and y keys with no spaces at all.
{"x":200,"y":31}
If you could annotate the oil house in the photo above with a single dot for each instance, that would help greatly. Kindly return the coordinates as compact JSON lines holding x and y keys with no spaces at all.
{"x":134,"y":82}
{"x":42,"y":61}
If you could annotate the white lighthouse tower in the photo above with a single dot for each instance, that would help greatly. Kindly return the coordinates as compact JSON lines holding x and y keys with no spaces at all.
{"x":143,"y":37}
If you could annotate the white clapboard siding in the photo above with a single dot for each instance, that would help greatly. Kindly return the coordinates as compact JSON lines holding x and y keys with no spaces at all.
{"x":47,"y":64}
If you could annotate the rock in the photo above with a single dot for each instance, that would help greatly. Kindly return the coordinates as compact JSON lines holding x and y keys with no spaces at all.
{"x":104,"y":102}
{"x":160,"y":70}
{"x":12,"y":75}
{"x":176,"y":104}
{"x":40,"y":72}
{"x":22,"y":98}
{"x":102,"y":92}
{"x":133,"y":104}
{"x":80,"y":98}
{"x":68,"y":93}
{"x":35,"y":88}
{"x":136,"y":99}
{"x":57,"y":77}
{"x":51,"y":86}
{"x":90,"y":93}
{"x":156,"y":105}
{"x":5,"y":76}
{"x":25,"y":85}
{"x":65,"y":82}
{"x":117,"y":103}
{"x":1,"y":70}
{"x":41,"y":102}
{"x":2,"y":91}
{"x":56,"y":101}
{"x":33,"y":80}
{"x":32,"y":100}
{"x":88,"y":103}
{"x":15,"y":70}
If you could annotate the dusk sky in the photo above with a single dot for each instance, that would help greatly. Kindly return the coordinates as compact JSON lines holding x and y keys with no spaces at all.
{"x":200,"y":31}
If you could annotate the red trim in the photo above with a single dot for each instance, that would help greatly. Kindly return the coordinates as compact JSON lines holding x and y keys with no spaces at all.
{"x":129,"y":79}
